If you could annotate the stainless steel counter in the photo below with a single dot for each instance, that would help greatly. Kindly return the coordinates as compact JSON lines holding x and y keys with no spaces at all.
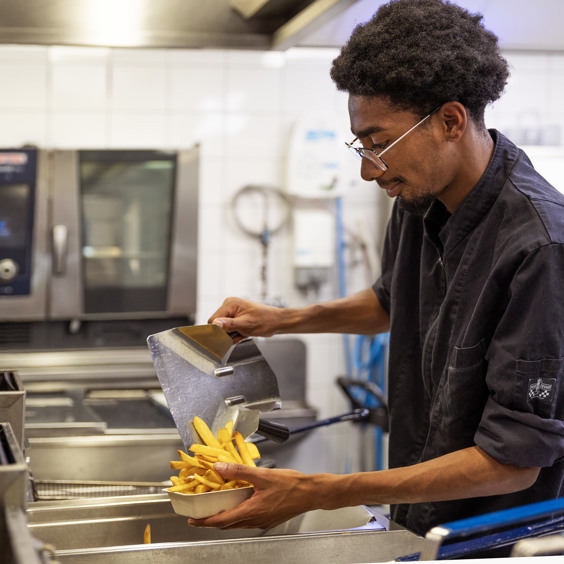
{"x":111,"y":529}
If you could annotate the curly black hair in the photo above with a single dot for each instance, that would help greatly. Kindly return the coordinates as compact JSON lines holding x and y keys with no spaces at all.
{"x":421,"y":53}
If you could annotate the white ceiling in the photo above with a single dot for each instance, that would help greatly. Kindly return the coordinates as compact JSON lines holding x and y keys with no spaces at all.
{"x":520,"y":24}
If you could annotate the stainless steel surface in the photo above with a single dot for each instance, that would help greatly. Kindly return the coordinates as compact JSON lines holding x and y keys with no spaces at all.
{"x":60,"y":242}
{"x":53,"y":371}
{"x":187,"y":360}
{"x":308,"y":21}
{"x":12,"y":404}
{"x":183,"y":262}
{"x":114,"y":522}
{"x":13,"y":470}
{"x":332,"y":547}
{"x":52,"y":415}
{"x":142,"y":458}
{"x":18,"y":545}
{"x":287,"y":356}
{"x":169,"y":23}
{"x":65,"y":300}
{"x":49,"y":490}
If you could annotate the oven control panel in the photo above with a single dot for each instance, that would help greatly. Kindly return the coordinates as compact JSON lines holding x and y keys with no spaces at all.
{"x":18,"y":170}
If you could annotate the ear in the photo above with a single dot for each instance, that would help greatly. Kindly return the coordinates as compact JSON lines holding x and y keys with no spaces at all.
{"x":454,"y":120}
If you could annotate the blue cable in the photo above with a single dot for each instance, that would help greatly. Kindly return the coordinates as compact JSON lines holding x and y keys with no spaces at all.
{"x":375,"y":367}
{"x":342,"y":276}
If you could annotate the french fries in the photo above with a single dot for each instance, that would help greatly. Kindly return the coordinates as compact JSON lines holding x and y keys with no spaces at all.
{"x":196,"y":473}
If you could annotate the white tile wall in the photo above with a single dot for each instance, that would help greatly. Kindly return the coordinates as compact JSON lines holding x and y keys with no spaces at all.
{"x":240,"y":106}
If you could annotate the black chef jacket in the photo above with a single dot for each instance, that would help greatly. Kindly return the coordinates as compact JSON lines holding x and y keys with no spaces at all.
{"x":476,"y":301}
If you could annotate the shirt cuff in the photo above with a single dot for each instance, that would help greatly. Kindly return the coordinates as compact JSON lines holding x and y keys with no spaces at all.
{"x":519,"y":438}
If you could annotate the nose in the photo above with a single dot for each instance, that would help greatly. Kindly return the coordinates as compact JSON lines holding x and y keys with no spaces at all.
{"x":369,"y":171}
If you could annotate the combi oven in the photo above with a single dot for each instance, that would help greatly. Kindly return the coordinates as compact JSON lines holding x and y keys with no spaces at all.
{"x":96,"y":243}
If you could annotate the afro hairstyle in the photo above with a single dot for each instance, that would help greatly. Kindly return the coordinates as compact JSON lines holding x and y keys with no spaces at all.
{"x":421,"y":53}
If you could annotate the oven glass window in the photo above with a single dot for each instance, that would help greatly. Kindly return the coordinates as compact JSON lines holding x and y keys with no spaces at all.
{"x":127,"y":203}
{"x":14,"y":213}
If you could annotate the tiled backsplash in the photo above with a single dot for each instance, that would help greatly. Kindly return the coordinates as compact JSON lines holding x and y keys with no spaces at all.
{"x":240,"y":106}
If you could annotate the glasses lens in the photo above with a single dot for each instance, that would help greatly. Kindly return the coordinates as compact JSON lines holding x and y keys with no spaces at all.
{"x":381,"y":163}
{"x":376,"y":160}
{"x":361,"y":152}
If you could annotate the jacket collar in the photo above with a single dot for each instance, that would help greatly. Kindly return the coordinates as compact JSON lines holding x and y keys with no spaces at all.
{"x":481,"y":198}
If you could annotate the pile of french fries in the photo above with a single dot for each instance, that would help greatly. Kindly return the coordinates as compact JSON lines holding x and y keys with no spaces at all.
{"x":196,"y":473}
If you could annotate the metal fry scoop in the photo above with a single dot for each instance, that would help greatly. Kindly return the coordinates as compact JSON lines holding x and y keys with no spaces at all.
{"x":203,"y":373}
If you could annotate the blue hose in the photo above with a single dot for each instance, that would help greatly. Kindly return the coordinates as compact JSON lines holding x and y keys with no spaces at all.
{"x":342,"y":276}
{"x":374,"y":368}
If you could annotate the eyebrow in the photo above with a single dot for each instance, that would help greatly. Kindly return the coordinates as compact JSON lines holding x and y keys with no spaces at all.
{"x":368,"y":131}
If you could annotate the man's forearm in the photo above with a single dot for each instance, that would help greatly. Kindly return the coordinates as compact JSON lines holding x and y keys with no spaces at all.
{"x":360,"y":313}
{"x":458,"y":475}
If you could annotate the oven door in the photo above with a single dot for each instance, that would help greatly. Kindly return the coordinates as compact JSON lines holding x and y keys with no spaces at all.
{"x":124,"y":234}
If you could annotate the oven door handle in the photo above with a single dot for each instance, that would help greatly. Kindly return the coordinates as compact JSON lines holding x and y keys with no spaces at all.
{"x":60,"y":244}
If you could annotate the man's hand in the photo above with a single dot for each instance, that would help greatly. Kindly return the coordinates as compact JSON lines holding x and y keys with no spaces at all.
{"x":279,"y":495}
{"x":247,"y":318}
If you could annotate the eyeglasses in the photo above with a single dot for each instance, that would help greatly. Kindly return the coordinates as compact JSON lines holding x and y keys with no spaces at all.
{"x":376,"y":158}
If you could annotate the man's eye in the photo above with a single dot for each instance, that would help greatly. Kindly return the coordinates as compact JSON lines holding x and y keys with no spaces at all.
{"x":379,"y":146}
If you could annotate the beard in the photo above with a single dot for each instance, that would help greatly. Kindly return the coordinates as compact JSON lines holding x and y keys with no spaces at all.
{"x":417,"y":205}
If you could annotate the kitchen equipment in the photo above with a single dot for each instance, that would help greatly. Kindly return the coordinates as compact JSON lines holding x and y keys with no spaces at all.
{"x":97,"y":247}
{"x":364,"y":394}
{"x":18,"y":545}
{"x":117,"y":524}
{"x":12,"y":404}
{"x":467,"y":537}
{"x":203,"y":373}
{"x":23,"y":224}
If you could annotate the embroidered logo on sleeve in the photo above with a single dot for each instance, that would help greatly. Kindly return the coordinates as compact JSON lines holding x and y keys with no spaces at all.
{"x":542,"y":389}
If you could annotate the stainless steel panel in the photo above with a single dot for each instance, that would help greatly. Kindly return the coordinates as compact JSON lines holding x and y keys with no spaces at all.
{"x":111,"y":523}
{"x":329,"y":548}
{"x":34,"y":306}
{"x":12,"y":404}
{"x":14,"y":472}
{"x":66,"y":286}
{"x":184,"y":250}
{"x":169,"y":23}
{"x":18,"y":546}
{"x":111,"y":458}
{"x":54,"y":371}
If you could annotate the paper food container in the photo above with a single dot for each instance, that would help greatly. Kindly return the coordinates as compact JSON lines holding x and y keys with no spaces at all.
{"x":199,"y":506}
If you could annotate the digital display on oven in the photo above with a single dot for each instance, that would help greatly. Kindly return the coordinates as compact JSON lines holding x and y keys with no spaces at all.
{"x":14,"y":215}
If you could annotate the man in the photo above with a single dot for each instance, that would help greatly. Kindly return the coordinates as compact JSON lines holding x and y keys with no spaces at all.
{"x":471,"y":287}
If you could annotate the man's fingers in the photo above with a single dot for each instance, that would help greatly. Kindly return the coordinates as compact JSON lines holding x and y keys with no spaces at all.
{"x":224,"y":520}
{"x":237,"y":471}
